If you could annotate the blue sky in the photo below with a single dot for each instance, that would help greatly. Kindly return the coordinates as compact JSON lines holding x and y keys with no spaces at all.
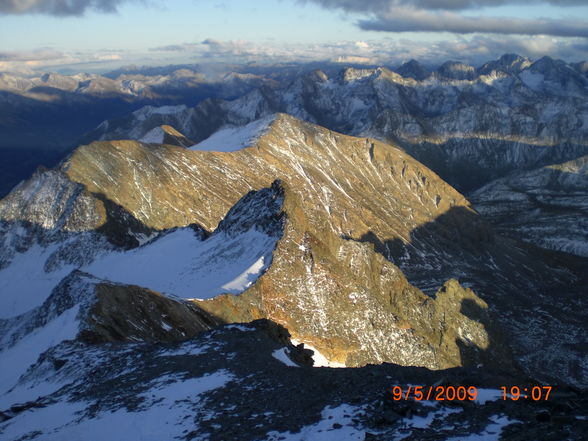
{"x":95,"y":35}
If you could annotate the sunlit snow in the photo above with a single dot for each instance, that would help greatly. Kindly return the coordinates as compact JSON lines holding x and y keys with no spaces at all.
{"x":181,"y":264}
{"x":230,"y":139}
{"x":280,"y":354}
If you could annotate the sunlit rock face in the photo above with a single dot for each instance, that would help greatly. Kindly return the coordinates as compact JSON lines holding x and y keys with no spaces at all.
{"x":349,"y":243}
{"x":323,"y":280}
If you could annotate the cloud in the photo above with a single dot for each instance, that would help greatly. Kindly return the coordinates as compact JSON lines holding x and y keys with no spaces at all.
{"x":475,"y":49}
{"x":42,"y":54}
{"x":442,"y":16}
{"x":172,"y":48}
{"x":413,"y":20}
{"x":481,"y":48}
{"x":48,"y":59}
{"x":382,"y":6}
{"x":58,"y":7}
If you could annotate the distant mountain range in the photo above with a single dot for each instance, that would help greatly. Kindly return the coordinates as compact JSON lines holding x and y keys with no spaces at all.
{"x":187,"y":269}
{"x":470,"y":126}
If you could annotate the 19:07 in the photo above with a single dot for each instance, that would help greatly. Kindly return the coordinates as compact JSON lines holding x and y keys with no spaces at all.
{"x":535,"y":393}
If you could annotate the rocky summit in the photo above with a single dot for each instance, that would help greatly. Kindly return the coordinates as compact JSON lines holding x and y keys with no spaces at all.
{"x":123,"y":269}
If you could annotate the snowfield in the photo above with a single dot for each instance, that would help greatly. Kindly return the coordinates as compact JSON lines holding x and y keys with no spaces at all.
{"x":230,"y":139}
{"x":183,"y":265}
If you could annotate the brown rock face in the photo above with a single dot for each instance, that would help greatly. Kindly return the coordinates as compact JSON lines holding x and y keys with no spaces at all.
{"x":326,"y":284}
{"x":132,"y":313}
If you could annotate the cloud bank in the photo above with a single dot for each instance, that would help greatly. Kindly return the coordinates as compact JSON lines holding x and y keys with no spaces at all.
{"x":376,"y":15}
{"x":391,"y":52}
{"x":379,"y":6}
{"x":445,"y":16}
{"x":43,"y":59}
{"x":58,"y":7}
{"x":475,"y":49}
{"x":412,"y":20}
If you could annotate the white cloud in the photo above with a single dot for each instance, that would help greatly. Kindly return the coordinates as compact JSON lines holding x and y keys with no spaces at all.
{"x":48,"y":58}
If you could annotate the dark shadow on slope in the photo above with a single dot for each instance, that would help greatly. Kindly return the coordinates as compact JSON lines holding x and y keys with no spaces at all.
{"x":537,"y":296}
{"x":460,"y":244}
{"x":468,"y":171}
{"x":17,"y":163}
{"x":547,"y":206}
{"x":497,"y":356}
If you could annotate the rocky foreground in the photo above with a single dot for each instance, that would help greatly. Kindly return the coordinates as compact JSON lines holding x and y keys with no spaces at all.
{"x":237,"y":383}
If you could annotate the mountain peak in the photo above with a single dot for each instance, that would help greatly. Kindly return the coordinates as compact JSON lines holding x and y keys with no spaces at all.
{"x":456,"y":70}
{"x":507,"y":63}
{"x":353,"y":74}
{"x":413,"y":69}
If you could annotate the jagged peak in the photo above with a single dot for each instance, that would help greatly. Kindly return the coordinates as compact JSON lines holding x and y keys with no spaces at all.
{"x":47,"y":200}
{"x":456,"y":70}
{"x":259,"y":209}
{"x":413,"y":69}
{"x":353,"y":74}
{"x":146,"y":111}
{"x":508,"y":63}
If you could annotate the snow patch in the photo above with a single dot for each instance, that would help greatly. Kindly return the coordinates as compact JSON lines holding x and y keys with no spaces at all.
{"x":246,"y":279}
{"x":181,"y":264}
{"x":163,"y":415}
{"x":492,"y":432}
{"x":230,"y":139}
{"x":24,"y":284}
{"x":280,"y":354}
{"x":422,"y":422}
{"x":16,"y":360}
{"x":485,"y":395}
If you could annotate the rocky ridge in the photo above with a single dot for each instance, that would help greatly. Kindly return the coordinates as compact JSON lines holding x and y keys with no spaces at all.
{"x":510,"y":114}
{"x":346,"y":247}
{"x":353,"y":209}
{"x":317,"y":246}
